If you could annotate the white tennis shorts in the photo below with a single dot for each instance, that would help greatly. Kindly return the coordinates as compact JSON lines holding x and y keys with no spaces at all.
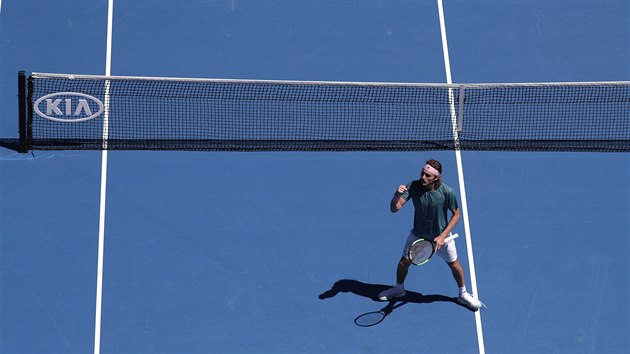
{"x":448,"y":252}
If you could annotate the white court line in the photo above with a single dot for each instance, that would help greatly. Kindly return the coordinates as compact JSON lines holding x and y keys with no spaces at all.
{"x":460,"y":172}
{"x":101,"y":221}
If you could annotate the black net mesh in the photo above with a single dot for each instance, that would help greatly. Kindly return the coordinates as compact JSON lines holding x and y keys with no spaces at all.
{"x":81,"y":112}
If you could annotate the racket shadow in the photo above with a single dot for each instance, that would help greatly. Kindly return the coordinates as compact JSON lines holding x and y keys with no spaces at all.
{"x":371,"y":291}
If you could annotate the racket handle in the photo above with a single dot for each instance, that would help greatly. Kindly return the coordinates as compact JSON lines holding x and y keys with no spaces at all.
{"x":451,"y":237}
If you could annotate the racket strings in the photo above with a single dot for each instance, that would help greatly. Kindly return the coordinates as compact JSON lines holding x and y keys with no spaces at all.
{"x":420,"y":252}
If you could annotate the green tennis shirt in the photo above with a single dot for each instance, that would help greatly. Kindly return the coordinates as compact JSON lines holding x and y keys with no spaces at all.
{"x":431,"y":208}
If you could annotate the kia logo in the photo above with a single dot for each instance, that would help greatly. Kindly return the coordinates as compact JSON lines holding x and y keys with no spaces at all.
{"x":68,"y":107}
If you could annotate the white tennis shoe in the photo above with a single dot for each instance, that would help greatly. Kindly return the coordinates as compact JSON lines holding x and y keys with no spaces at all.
{"x":470,"y":301}
{"x":392,"y":293}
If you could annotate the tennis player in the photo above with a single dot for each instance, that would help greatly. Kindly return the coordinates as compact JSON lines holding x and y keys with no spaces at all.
{"x":433,"y":201}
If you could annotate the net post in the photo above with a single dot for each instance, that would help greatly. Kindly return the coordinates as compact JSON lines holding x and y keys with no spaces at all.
{"x":24,"y":118}
{"x":460,"y":113}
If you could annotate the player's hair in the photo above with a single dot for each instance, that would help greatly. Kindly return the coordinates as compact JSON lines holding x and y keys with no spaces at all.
{"x":438,"y":166}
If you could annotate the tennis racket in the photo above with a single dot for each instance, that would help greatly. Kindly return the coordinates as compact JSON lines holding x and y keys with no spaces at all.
{"x":422,"y":250}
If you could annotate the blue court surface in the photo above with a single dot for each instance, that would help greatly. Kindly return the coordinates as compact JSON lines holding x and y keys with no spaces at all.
{"x":210,"y":252}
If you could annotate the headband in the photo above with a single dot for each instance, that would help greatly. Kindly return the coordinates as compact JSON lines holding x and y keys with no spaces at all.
{"x":431,"y":170}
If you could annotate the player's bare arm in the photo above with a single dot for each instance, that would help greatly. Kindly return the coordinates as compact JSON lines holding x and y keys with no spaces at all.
{"x":439,"y":241}
{"x":397,"y":200}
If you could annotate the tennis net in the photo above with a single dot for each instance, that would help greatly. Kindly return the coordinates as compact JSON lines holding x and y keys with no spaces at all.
{"x":62,"y":112}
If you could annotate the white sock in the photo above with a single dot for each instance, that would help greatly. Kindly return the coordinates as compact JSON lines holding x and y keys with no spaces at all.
{"x":462,"y":290}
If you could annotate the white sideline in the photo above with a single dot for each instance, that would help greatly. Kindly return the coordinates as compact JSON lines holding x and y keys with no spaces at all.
{"x":101,"y":221}
{"x":460,"y":172}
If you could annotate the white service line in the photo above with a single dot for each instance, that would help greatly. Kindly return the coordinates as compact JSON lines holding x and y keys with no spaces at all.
{"x":460,"y":172}
{"x":101,"y":221}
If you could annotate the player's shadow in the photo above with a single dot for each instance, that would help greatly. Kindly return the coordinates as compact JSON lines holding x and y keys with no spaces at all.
{"x":371,"y":291}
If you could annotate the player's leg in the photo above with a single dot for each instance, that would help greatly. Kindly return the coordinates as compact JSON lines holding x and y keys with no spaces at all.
{"x":448,"y":252}
{"x":402,"y":269}
{"x":458,"y":273}
{"x":464,"y":297}
{"x":401,"y":274}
